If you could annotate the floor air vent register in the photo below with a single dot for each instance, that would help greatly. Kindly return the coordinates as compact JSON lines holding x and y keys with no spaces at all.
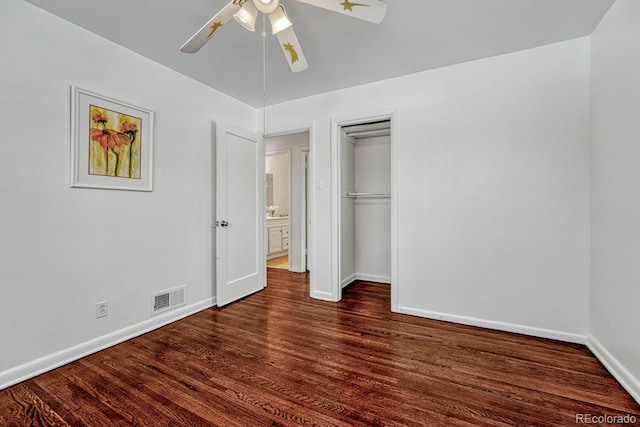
{"x":167,"y":300}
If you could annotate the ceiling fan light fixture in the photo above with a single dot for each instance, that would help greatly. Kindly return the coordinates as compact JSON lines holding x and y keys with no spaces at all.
{"x":247,"y":16}
{"x":279,"y":20}
{"x":266,"y":6}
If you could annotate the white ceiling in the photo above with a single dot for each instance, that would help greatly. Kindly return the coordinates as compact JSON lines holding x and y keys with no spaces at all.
{"x":415,"y":35}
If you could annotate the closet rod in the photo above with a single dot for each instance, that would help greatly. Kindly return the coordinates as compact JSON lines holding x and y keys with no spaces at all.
{"x":356,"y":194}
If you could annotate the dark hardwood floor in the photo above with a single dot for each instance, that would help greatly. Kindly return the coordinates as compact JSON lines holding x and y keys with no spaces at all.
{"x":281,"y":358}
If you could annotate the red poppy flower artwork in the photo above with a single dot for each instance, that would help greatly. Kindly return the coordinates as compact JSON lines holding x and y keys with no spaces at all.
{"x":114,"y":144}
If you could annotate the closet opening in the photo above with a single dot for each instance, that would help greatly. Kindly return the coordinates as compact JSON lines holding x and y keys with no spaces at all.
{"x":365,"y":186}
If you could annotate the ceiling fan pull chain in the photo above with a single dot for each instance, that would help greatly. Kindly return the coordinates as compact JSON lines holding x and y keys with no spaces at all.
{"x":264,"y":76}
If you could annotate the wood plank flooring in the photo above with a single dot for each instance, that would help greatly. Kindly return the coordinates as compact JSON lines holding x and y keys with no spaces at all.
{"x":281,"y":358}
{"x":280,"y":262}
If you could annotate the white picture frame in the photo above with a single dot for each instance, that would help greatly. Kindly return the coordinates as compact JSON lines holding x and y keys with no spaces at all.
{"x":111,"y":143}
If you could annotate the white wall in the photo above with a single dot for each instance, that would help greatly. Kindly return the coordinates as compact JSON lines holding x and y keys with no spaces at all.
{"x":63,"y":249}
{"x":297,"y":143}
{"x":615,"y":317}
{"x":347,"y":211}
{"x":493,"y":203}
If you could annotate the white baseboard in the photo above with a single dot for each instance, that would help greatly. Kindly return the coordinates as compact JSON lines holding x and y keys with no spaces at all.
{"x":615,"y":367}
{"x":324,"y":296}
{"x":373,"y":278}
{"x":366,"y":277}
{"x":277,"y":255}
{"x":55,"y":360}
{"x":346,"y":281}
{"x":500,"y":326}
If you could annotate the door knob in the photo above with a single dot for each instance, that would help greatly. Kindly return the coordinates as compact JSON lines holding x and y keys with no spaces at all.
{"x":224,"y":223}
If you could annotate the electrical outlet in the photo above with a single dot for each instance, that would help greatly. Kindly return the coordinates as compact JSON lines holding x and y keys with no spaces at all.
{"x":102,"y":309}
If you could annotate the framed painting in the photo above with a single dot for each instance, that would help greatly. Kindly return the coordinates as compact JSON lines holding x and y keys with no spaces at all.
{"x":111,"y":143}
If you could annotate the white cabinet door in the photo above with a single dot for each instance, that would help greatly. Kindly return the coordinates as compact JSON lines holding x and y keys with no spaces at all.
{"x":275,"y":240}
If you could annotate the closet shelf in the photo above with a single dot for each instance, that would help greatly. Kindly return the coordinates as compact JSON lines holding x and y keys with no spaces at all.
{"x":354,"y":194}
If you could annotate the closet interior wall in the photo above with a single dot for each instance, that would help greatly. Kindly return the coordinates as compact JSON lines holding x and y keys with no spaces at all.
{"x":365,"y":209}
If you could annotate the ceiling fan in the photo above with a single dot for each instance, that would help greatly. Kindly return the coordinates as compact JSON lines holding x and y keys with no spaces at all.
{"x":245,"y":13}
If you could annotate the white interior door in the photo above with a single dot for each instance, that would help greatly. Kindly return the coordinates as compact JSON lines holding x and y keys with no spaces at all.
{"x":240,"y":209}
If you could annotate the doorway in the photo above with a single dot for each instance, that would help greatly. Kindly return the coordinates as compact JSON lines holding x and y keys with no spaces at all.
{"x":365,"y":210}
{"x":364,"y":195}
{"x":286,"y":234}
{"x":278,"y":201}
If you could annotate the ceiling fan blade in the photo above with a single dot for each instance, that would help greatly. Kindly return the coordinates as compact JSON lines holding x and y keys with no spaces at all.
{"x":368,"y":10}
{"x":210,"y":28}
{"x":292,"y":50}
